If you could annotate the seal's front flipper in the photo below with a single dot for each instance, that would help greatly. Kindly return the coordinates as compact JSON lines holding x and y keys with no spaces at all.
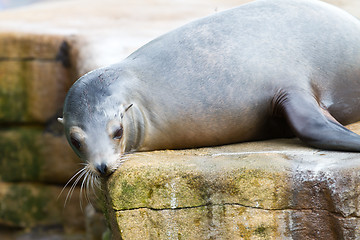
{"x":314,"y":125}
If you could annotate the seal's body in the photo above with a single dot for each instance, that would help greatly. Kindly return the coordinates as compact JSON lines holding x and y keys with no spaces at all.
{"x":270,"y":68}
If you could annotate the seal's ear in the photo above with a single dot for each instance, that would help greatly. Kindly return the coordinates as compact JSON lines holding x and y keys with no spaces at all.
{"x":128,"y":106}
{"x":61,"y":120}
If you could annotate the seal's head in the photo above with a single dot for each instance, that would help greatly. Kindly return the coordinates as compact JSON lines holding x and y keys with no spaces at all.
{"x":95,"y":122}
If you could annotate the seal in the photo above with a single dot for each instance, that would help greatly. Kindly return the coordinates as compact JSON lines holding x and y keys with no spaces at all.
{"x":266,"y":69}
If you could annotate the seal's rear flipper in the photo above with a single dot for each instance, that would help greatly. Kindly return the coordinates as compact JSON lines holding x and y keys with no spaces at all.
{"x":314,"y":125}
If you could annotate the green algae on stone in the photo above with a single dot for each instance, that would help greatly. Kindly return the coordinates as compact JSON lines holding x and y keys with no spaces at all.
{"x":24,"y":205}
{"x":162,"y":181}
{"x":191,"y":194}
{"x":257,"y":188}
{"x":255,"y":180}
{"x":29,"y":46}
{"x":31,"y":91}
{"x":21,"y":159}
{"x":30,"y":154}
{"x":33,"y":78}
{"x":13,"y":92}
{"x":260,"y":231}
{"x":145,"y":187}
{"x":205,"y":222}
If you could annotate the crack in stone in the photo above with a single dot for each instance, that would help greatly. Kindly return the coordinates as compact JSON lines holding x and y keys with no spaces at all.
{"x":339,"y":215}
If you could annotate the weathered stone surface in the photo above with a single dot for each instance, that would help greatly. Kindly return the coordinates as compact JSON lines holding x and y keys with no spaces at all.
{"x":27,"y":205}
{"x":17,"y":46}
{"x":204,"y":222}
{"x":34,"y":155}
{"x":319,"y":224}
{"x":34,"y":77}
{"x":307,"y":193}
{"x":178,"y":179}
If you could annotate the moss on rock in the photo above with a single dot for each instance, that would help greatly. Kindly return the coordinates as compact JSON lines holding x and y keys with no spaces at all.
{"x":28,"y":204}
{"x":33,"y":79}
{"x":176,"y":180}
{"x":276,"y":189}
{"x":20,"y":154}
{"x":30,"y":154}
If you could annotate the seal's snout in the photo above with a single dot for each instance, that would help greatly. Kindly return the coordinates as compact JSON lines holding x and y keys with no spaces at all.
{"x":102,"y":169}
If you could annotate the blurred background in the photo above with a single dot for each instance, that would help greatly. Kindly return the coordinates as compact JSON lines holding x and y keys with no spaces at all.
{"x":6,"y":4}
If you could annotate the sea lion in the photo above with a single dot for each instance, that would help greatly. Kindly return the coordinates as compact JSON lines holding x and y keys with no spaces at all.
{"x":269,"y":68}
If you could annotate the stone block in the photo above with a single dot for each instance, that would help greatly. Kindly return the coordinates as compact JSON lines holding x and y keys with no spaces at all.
{"x":204,"y":222}
{"x":180,"y":179}
{"x":34,"y":77}
{"x":25,"y":205}
{"x":29,"y":46}
{"x":276,"y":189}
{"x":34,"y":155}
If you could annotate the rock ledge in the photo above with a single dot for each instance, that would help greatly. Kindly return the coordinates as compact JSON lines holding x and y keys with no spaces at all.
{"x":260,"y":190}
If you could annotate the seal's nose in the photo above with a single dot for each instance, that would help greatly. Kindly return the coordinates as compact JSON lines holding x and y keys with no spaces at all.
{"x":102,"y":168}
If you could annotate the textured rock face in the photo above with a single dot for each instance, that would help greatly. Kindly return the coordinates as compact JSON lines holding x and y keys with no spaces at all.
{"x":34,"y":155}
{"x":275,"y":189}
{"x":34,"y":77}
{"x":35,"y":160}
{"x":29,"y":205}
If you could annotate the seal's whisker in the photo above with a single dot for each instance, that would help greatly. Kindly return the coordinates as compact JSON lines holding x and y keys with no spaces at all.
{"x":69,"y":195}
{"x":121,"y":160}
{"x":68,"y":182}
{"x":88,"y":184}
{"x":77,"y":173}
{"x":86,"y":178}
{"x":81,"y":189}
{"x":94,"y":184}
{"x":97,"y":182}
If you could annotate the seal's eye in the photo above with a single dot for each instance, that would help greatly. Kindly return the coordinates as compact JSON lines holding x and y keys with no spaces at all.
{"x":76,"y":143}
{"x":118,"y":133}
